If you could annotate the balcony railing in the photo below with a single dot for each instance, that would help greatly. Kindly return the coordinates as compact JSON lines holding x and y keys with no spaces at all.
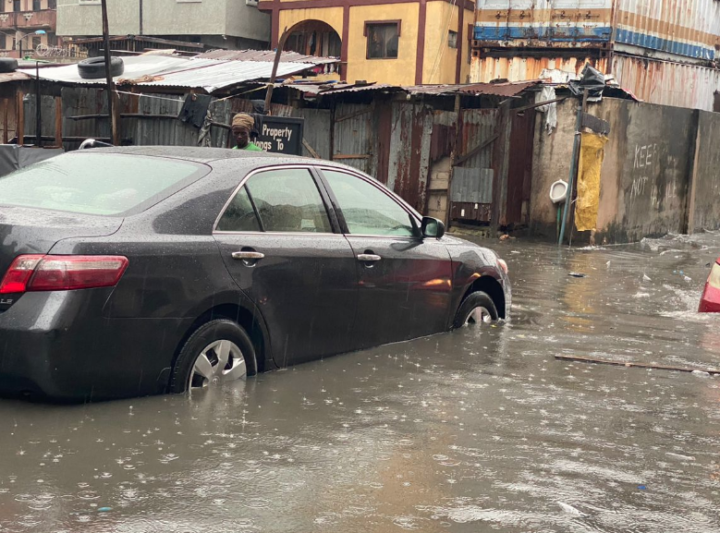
{"x":46,"y":18}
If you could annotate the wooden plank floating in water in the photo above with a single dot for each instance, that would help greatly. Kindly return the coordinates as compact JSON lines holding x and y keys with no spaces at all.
{"x":713,"y":372}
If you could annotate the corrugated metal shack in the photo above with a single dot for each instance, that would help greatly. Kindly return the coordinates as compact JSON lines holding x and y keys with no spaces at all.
{"x":151,"y":92}
{"x":419,"y":140}
{"x":664,"y":51}
{"x":422,"y":141}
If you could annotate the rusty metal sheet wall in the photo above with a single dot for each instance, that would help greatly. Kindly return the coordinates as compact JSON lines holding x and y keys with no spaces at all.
{"x":409,"y":154}
{"x":562,"y":22}
{"x":668,"y":83}
{"x":472,"y":185}
{"x":478,"y":126}
{"x":657,"y":82}
{"x":420,"y":167}
{"x":316,"y":131}
{"x":684,"y":28}
{"x":355,"y":136}
{"x":163,"y":132}
{"x":221,"y":111}
{"x":487,"y":68}
{"x":47,"y":116}
{"x":77,"y":101}
{"x":400,"y":146}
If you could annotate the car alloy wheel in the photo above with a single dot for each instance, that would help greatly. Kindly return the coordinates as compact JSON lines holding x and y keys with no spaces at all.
{"x":220,"y":362}
{"x":476,"y":308}
{"x":479,"y":315}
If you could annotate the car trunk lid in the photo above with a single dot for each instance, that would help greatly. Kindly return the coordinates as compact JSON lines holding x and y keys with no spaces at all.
{"x":26,"y":230}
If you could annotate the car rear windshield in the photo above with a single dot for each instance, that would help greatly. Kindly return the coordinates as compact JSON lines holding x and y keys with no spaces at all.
{"x":97,"y":183}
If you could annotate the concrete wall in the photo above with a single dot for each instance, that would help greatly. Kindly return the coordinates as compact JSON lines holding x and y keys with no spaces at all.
{"x":704,"y":205}
{"x":400,"y":70}
{"x":552,"y":155}
{"x":165,"y":17}
{"x":645,"y":176}
{"x":439,"y":60}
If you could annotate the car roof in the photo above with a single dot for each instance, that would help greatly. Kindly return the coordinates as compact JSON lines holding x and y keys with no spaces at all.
{"x":208,"y":155}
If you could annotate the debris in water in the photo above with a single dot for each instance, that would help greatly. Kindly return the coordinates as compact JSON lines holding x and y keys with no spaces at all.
{"x":578,"y":275}
{"x":701,"y":373}
{"x":104,"y":509}
{"x":569,"y":509}
{"x":687,"y":278}
{"x":642,"y":487}
{"x":630,"y":364}
{"x":646,"y":277}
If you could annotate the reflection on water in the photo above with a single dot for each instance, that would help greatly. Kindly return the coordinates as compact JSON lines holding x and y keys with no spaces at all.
{"x":478,"y":430}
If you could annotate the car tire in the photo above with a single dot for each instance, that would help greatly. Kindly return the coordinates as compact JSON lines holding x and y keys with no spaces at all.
{"x":8,"y":64}
{"x":200,"y":362}
{"x":477,"y":308}
{"x":94,"y":67}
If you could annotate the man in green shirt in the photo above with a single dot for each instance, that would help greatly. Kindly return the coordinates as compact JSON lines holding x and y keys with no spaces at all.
{"x":242,"y":125}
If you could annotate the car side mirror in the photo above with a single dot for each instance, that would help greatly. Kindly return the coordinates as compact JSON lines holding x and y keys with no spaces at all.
{"x":432,"y":227}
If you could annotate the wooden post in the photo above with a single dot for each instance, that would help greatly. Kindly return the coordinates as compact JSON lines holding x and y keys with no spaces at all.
{"x":58,"y":121}
{"x":108,"y":76}
{"x":6,"y":110}
{"x":20,"y":102}
{"x":273,"y":75}
{"x":38,"y":106}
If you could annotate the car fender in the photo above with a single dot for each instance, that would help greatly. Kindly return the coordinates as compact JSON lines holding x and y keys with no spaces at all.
{"x":231,"y":298}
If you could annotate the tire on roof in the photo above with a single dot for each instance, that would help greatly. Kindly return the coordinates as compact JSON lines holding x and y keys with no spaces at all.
{"x":94,"y":67}
{"x":8,"y":64}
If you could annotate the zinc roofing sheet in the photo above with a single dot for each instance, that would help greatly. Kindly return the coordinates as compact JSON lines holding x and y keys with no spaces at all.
{"x":266,"y":55}
{"x":165,"y":71}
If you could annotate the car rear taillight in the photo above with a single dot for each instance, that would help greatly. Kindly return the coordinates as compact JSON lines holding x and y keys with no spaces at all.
{"x":29,"y":273}
{"x":502,"y":264}
{"x":714,"y":277}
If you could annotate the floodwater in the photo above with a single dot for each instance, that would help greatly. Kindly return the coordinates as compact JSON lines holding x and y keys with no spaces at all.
{"x":471,"y":431}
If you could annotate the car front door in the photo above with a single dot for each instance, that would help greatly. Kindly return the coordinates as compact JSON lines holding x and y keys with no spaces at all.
{"x":285,"y":250}
{"x":404,"y":280}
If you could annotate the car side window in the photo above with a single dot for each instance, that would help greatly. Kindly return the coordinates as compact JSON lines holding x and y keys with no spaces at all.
{"x":288,"y":200}
{"x":367,"y":210}
{"x":239,"y":215}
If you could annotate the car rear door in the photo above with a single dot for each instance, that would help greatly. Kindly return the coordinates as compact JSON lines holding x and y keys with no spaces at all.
{"x":404,"y":280}
{"x":285,"y":250}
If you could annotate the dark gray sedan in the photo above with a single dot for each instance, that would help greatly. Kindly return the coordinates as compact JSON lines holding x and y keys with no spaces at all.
{"x":136,"y":271}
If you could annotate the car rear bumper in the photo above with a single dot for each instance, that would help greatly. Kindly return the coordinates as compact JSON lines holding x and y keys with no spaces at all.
{"x":58,"y":346}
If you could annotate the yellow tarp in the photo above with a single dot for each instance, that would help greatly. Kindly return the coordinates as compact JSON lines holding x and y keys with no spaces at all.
{"x":588,"y":185}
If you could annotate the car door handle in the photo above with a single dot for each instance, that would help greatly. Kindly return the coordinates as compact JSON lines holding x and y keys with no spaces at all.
{"x":368,"y":258}
{"x":252,"y":256}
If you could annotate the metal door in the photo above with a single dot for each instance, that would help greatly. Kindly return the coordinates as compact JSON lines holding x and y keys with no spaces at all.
{"x":304,"y":283}
{"x":404,"y":282}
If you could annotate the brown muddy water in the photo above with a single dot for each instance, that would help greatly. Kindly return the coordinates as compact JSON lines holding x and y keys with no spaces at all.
{"x":471,"y":431}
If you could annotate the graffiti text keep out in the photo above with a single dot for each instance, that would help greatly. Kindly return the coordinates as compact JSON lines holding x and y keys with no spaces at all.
{"x":645,"y":157}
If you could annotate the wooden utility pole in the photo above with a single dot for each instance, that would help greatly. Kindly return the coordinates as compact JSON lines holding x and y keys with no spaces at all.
{"x":108,"y":75}
{"x":278,"y":54}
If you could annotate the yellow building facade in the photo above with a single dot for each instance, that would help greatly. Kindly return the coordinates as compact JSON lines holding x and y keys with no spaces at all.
{"x":399,"y":42}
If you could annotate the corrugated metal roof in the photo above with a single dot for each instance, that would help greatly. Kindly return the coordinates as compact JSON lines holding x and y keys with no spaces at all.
{"x":13,"y":76}
{"x":166,"y":71}
{"x":338,"y":88}
{"x":499,"y":89}
{"x":331,"y":89}
{"x":266,"y":55}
